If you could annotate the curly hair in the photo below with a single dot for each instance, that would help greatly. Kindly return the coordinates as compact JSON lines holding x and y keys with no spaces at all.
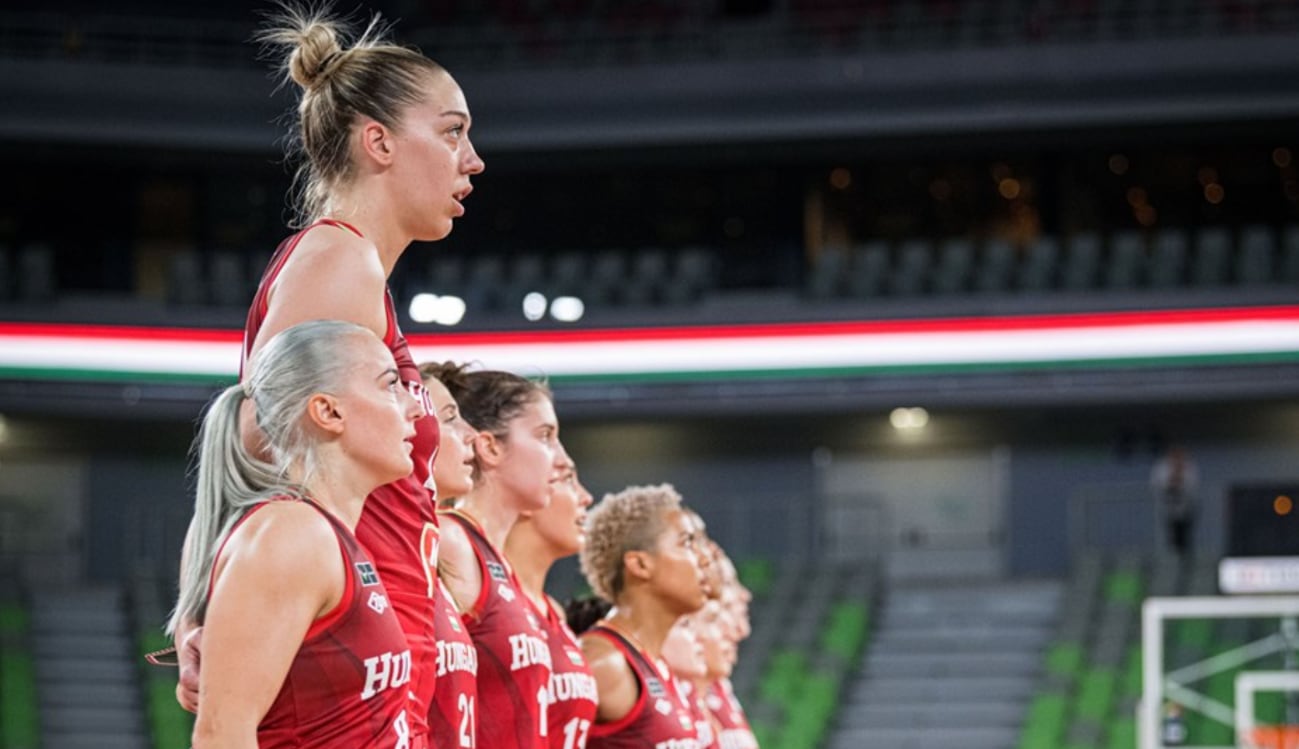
{"x":629,"y":520}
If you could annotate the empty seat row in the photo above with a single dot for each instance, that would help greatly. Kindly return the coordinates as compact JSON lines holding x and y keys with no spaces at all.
{"x":605,"y":277}
{"x":1169,"y":259}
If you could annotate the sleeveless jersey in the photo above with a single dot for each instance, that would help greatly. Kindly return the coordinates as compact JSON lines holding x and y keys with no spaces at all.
{"x":397,"y":526}
{"x":733,"y":727}
{"x":453,"y":714}
{"x":347,"y":684}
{"x":514,"y":662}
{"x":705,"y":724}
{"x":658,"y":720}
{"x":573,"y":698}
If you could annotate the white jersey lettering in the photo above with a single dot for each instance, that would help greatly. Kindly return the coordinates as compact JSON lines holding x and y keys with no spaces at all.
{"x":527,"y":650}
{"x":572,"y":686}
{"x":456,"y":656}
{"x":385,"y":671}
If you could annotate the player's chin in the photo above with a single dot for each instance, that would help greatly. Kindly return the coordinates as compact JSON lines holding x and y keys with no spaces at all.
{"x":400,"y":470}
{"x":436,"y":230}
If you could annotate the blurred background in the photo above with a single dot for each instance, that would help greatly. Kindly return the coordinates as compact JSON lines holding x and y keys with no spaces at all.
{"x":952,"y":279}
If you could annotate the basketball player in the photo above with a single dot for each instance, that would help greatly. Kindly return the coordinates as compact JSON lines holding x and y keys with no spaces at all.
{"x":518,"y":454}
{"x":302,"y":651}
{"x":684,"y":656}
{"x":451,"y":716}
{"x":640,"y":554}
{"x":535,"y":543}
{"x":387,"y":160}
{"x":716,"y":635}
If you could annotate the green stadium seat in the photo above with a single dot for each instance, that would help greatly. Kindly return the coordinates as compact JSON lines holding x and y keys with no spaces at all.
{"x":1122,"y":734}
{"x":1096,"y":694}
{"x":1124,"y":586}
{"x":1064,"y":659}
{"x":19,"y":722}
{"x":757,"y":575}
{"x":1045,"y":724}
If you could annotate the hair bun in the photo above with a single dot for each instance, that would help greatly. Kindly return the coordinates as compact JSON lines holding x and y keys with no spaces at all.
{"x":317,"y":54}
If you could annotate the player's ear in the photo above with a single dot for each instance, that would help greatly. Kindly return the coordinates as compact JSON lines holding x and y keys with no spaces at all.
{"x":376,"y":142}
{"x":325,"y":412}
{"x":637,"y":565}
{"x":488,"y":449}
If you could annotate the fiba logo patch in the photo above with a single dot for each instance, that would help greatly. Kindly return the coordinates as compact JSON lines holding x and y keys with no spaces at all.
{"x":378,"y":602}
{"x":365,"y":571}
{"x":497,"y":571}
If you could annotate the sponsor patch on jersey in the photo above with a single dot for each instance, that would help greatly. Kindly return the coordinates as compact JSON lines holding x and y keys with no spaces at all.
{"x":366,"y":572}
{"x":497,"y":571}
{"x":655,"y":687}
{"x":574,"y":657}
{"x":663,"y":706}
{"x":378,"y":602}
{"x":505,"y":591}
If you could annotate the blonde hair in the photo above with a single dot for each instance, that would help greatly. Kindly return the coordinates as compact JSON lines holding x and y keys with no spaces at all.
{"x":295,"y":364}
{"x":630,"y":520}
{"x":342,"y":79}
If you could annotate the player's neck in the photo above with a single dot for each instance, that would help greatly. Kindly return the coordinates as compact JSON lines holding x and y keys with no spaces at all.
{"x":647,"y":625}
{"x":493,"y":516}
{"x":527,"y":553}
{"x":357,"y":209}
{"x":342,"y":503}
{"x":531,"y":578}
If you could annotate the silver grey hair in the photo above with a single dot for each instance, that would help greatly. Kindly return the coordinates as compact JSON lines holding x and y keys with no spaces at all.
{"x":309,"y":358}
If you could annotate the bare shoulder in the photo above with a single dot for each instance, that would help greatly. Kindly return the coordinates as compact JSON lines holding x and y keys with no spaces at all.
{"x":458,"y":565}
{"x":614,"y":678}
{"x":285,"y":550}
{"x":287,"y":534}
{"x":331,"y":275}
{"x":328,"y":250}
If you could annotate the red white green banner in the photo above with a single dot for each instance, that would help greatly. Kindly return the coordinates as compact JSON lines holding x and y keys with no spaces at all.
{"x":1116,"y":339}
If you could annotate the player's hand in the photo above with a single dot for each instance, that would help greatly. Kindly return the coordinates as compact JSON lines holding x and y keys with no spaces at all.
{"x":189,"y":656}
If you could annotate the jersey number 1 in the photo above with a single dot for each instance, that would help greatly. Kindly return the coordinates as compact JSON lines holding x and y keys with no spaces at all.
{"x":575,"y":733}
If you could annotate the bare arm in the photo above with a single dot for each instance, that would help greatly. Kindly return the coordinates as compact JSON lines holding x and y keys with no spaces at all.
{"x":280,"y":571}
{"x":186,"y":638}
{"x":614,"y":680}
{"x":458,"y":566}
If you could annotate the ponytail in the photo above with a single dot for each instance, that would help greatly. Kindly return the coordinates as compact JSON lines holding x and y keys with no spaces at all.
{"x":230,"y":480}
{"x":307,"y":358}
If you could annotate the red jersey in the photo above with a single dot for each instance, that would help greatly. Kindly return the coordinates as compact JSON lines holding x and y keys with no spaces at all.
{"x":658,"y":720}
{"x":573,"y":697}
{"x":347,"y":684}
{"x":397,"y":526}
{"x":734,"y":731}
{"x":452,"y":716}
{"x":514,"y":662}
{"x":704,"y":721}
